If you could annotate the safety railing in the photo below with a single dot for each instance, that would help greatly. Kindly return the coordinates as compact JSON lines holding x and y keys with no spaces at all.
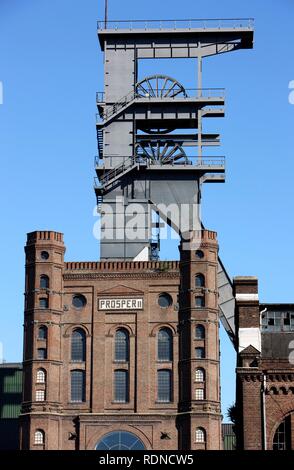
{"x":209,"y":94}
{"x":194,"y":162}
{"x":203,"y":23}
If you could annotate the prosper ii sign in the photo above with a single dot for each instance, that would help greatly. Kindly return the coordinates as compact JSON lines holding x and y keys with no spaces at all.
{"x":120,"y":304}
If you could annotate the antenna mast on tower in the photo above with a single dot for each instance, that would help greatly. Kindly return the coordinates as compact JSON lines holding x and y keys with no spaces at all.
{"x":106,"y":14}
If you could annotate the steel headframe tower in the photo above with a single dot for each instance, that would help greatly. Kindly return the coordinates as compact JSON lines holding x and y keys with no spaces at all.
{"x":150,"y":131}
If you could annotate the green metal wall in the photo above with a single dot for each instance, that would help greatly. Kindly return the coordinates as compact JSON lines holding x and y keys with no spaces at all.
{"x":10,"y":403}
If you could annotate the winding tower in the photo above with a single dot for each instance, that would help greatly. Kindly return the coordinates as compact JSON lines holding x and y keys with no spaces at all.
{"x":151,"y":133}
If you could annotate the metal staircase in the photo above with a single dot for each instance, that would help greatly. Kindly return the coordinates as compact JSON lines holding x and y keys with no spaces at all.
{"x":202,"y":95}
{"x":116,"y":108}
{"x":100,"y":142}
{"x":107,"y":180}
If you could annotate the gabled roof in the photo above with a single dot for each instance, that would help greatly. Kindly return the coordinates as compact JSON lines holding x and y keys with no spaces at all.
{"x":250,"y":350}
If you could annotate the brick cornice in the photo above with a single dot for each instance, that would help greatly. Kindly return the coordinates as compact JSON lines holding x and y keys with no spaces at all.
{"x":120,"y":275}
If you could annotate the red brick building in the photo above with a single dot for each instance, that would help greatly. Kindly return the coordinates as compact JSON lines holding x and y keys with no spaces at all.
{"x":265,"y":370}
{"x":120,"y":352}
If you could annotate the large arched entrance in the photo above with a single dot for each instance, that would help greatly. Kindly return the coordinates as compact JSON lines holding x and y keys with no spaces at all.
{"x":120,"y":440}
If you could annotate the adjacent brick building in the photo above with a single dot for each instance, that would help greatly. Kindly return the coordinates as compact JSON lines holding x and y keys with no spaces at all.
{"x":265,"y":370}
{"x":129,"y":348}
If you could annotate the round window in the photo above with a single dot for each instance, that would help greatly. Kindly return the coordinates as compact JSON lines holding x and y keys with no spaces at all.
{"x":44,"y":255}
{"x":79,"y":301}
{"x":165,"y":300}
{"x":199,"y":254}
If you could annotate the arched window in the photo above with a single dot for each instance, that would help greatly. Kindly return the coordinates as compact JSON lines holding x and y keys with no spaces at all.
{"x":43,"y":303}
{"x":164,"y":386}
{"x":42,"y":332}
{"x":39,"y":437}
{"x":44,"y":282}
{"x":165,"y":345}
{"x":78,"y":345}
{"x":200,"y":301}
{"x":199,"y":280}
{"x":200,"y":332}
{"x":200,"y":435}
{"x":121,"y":346}
{"x":282,"y":437}
{"x":77,"y":381}
{"x":41,"y":376}
{"x":121,"y":386}
{"x":199,"y":353}
{"x":200,"y":375}
{"x":120,"y":440}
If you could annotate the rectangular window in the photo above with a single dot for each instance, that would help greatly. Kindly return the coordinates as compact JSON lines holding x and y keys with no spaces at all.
{"x":199,"y":394}
{"x":40,"y":395}
{"x":78,"y":386}
{"x":43,"y":303}
{"x":42,"y":353}
{"x":200,"y":301}
{"x":199,"y":353}
{"x":164,"y":386}
{"x":121,"y":386}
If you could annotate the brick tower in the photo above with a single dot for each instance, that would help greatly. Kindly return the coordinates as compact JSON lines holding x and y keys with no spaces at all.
{"x":199,"y":367}
{"x":42,"y":335}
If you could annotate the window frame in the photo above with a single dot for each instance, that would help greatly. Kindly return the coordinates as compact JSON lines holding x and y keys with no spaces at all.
{"x":199,"y":394}
{"x":199,"y":327}
{"x":160,"y":387}
{"x":42,"y":328}
{"x":201,"y":432}
{"x":45,"y":354}
{"x":121,"y":395}
{"x":78,"y":346}
{"x":45,"y":278}
{"x":165,"y":345}
{"x":40,"y":396}
{"x":42,"y":373}
{"x":81,"y":373}
{"x":198,"y":348}
{"x":46,"y":303}
{"x":199,"y":280}
{"x":199,"y":375}
{"x":202,"y":298}
{"x":122,"y":347}
{"x":39,"y":433}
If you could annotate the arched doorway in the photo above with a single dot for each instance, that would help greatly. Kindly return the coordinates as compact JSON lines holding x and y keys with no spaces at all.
{"x":120,"y":440}
{"x":282,"y":436}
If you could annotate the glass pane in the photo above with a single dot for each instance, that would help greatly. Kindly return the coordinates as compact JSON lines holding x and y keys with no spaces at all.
{"x":164,"y":394}
{"x":78,"y":346}
{"x":199,"y":353}
{"x":200,"y":332}
{"x":121,"y":386}
{"x":164,"y":350}
{"x":44,"y":282}
{"x":120,"y":440}
{"x":199,"y":280}
{"x":42,"y":333}
{"x":42,"y":353}
{"x":77,"y":386}
{"x":122,"y":346}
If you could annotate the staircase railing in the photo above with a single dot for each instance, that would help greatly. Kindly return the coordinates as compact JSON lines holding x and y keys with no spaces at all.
{"x":111,"y":175}
{"x":197,"y":93}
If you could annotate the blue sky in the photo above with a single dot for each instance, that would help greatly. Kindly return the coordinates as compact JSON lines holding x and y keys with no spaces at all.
{"x":51,"y":67}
